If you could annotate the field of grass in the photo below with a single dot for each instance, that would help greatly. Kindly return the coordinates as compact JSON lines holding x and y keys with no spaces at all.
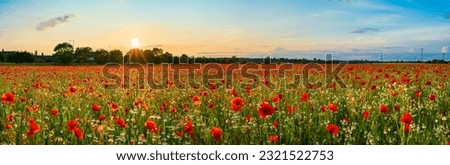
{"x":381,"y":104}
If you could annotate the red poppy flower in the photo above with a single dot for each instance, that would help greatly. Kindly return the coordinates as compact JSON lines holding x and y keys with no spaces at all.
{"x":71,"y":125}
{"x":291,"y":109}
{"x":33,"y":128}
{"x":276,"y":99}
{"x":10,"y":117}
{"x":383,"y":109}
{"x":54,"y":112}
{"x":396,"y":107}
{"x":179,"y":134}
{"x":204,"y":93}
{"x":275,"y":124}
{"x":432,"y":97}
{"x":333,"y":129}
{"x":78,"y":133}
{"x":23,"y":99}
{"x":188,"y":128}
{"x":151,"y":126}
{"x":101,"y":117}
{"x":332,"y":107}
{"x":196,"y":100}
{"x":72,"y":89}
{"x":95,"y":107}
{"x":448,"y":143}
{"x":322,"y":108}
{"x":366,"y":115}
{"x":417,"y":93}
{"x":273,"y":138}
{"x":113,"y":106}
{"x":305,"y":97}
{"x":8,"y":97}
{"x":216,"y":133}
{"x":121,"y":123}
{"x":406,"y":118}
{"x":236,"y":104}
{"x":248,"y":117}
{"x":8,"y":125}
{"x":265,"y":109}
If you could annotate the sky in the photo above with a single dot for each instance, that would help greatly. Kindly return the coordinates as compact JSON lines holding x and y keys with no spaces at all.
{"x":350,"y":29}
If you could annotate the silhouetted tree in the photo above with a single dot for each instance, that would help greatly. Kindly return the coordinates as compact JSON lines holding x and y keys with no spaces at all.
{"x":101,"y":56}
{"x":82,"y":54}
{"x":116,"y":56}
{"x":21,"y":57}
{"x":63,"y":53}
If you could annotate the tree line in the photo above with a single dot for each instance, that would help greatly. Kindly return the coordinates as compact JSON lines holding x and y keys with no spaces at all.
{"x":65,"y":53}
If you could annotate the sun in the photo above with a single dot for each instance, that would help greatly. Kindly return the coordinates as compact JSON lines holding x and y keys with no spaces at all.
{"x":135,"y":43}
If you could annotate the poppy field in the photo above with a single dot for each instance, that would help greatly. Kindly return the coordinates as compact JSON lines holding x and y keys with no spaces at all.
{"x":384,"y":104}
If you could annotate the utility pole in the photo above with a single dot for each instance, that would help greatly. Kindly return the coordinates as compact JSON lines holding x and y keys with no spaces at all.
{"x":421,"y":54}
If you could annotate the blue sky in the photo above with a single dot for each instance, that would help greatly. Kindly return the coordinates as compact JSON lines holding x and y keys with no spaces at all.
{"x":351,"y":29}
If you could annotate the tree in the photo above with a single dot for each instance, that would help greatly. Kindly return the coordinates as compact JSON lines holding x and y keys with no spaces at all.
{"x":116,"y":56}
{"x":82,"y":54}
{"x":184,"y":58}
{"x":21,"y":57}
{"x":3,"y":57}
{"x":149,"y":56}
{"x":101,"y":56}
{"x":63,"y":53}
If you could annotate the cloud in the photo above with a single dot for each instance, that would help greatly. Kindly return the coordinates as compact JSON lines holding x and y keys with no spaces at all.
{"x":411,"y":50}
{"x":53,"y":22}
{"x":444,"y":49}
{"x":153,"y":46}
{"x":365,"y":30}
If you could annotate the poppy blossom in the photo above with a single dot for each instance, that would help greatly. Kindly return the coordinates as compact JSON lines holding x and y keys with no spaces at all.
{"x":332,"y":107}
{"x":248,"y":117}
{"x":8,"y":125}
{"x":417,"y":93}
{"x":275,"y":124}
{"x":78,"y":133}
{"x":291,"y":109}
{"x":216,"y":133}
{"x":196,"y":100}
{"x":188,"y":128}
{"x":236,"y":104}
{"x":273,"y":138}
{"x":276,"y":99}
{"x":101,"y":117}
{"x":396,"y":107}
{"x":8,"y":97}
{"x":113,"y":106}
{"x":121,"y":123}
{"x":383,"y":109}
{"x":72,"y":89}
{"x":333,"y":129}
{"x":54,"y":112}
{"x":151,"y":126}
{"x":71,"y":125}
{"x":33,"y":128}
{"x":305,"y":97}
{"x":366,"y":115}
{"x":432,"y":97}
{"x":265,"y":109}
{"x":95,"y":107}
{"x":406,"y":118}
